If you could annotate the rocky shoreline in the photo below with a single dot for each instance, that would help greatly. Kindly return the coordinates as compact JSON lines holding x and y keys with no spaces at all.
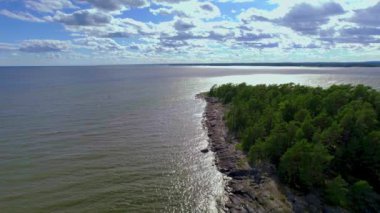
{"x":248,"y":189}
{"x":252,"y":189}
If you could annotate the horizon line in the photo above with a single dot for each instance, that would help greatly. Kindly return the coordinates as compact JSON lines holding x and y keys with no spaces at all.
{"x":280,"y":64}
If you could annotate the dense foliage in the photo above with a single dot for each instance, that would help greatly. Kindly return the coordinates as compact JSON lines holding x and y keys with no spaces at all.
{"x":318,"y":138}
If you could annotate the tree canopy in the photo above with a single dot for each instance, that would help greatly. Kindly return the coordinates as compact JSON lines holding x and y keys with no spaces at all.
{"x":317,"y":138}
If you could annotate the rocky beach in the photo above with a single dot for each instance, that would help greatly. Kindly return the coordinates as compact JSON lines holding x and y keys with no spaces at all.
{"x":248,"y":189}
{"x":252,"y":189}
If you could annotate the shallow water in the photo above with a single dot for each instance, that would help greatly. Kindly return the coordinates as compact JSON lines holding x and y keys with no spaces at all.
{"x":121,"y":138}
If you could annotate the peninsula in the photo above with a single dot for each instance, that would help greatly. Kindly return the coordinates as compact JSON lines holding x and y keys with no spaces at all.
{"x":293,"y":148}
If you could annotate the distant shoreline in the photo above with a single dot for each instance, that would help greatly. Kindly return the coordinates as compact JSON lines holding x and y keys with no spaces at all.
{"x":274,"y":64}
{"x":289,"y":64}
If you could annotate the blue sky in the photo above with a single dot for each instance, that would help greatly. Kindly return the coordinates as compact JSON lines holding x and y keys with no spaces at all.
{"x":92,"y":32}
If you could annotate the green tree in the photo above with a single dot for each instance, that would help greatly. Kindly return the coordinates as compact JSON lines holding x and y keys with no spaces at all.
{"x":288,"y":110}
{"x":366,"y":120}
{"x":336,"y":192}
{"x":303,"y":164}
{"x":310,"y":134}
{"x":258,"y":152}
{"x":252,"y":134}
{"x":335,"y":100}
{"x":308,"y":129}
{"x":322,"y":120}
{"x":331,"y":136}
{"x":301,"y":115}
{"x":363,"y":198}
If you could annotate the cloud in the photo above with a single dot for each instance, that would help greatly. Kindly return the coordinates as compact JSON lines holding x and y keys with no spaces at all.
{"x":23,"y":16}
{"x":5,"y":47}
{"x":208,"y":7}
{"x":307,"y":19}
{"x":48,"y":6}
{"x":359,"y":27}
{"x":175,"y":44}
{"x":141,"y":28}
{"x":116,"y":28}
{"x":188,"y":9}
{"x":357,"y":39}
{"x":235,"y":1}
{"x":303,"y":46}
{"x":183,"y":25}
{"x":169,"y":1}
{"x":112,"y":5}
{"x":220,"y":34}
{"x":44,"y":46}
{"x":99,"y":44}
{"x":364,"y":31}
{"x":254,"y":14}
{"x":193,"y":29}
{"x":133,"y":47}
{"x":83,"y":18}
{"x":303,"y":17}
{"x":356,"y":35}
{"x":260,"y":45}
{"x":367,"y":17}
{"x":253,"y":36}
{"x":117,"y":34}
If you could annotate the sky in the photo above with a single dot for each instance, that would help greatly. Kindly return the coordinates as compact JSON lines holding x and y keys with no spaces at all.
{"x":95,"y":32}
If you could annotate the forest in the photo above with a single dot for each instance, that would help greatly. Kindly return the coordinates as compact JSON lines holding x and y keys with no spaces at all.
{"x":323,"y":140}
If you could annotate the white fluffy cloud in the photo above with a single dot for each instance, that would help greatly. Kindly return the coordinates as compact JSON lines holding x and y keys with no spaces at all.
{"x":99,"y":44}
{"x":48,"y":6}
{"x":190,"y":9}
{"x":326,"y":22}
{"x":186,"y":29}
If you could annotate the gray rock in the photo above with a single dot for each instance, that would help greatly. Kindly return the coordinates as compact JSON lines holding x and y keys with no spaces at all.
{"x":204,"y":150}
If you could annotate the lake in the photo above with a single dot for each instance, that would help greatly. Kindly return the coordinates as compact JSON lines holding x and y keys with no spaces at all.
{"x":122,"y":138}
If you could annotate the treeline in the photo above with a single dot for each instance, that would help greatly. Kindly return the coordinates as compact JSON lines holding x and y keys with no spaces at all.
{"x":325,"y":140}
{"x":296,"y":64}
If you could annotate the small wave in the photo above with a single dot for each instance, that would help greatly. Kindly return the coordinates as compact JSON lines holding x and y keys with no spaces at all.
{"x":51,"y":133}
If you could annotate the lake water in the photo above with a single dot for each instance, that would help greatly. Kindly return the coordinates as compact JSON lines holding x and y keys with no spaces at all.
{"x":121,"y":138}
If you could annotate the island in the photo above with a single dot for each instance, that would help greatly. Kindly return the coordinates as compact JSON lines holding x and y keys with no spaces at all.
{"x":295,"y":148}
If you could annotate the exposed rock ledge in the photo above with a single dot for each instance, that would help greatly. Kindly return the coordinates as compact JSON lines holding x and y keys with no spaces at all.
{"x":249,"y":189}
